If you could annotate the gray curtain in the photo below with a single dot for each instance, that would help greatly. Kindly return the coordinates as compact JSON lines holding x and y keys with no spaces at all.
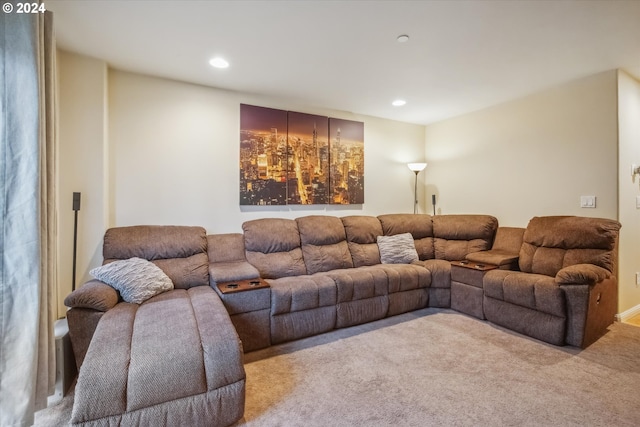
{"x":28,"y":222}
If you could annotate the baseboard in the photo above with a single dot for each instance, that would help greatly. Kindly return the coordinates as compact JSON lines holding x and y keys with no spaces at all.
{"x":628,"y":314}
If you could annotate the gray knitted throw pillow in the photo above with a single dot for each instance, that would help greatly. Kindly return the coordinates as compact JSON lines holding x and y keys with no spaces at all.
{"x":136,"y":279}
{"x":397,"y":249}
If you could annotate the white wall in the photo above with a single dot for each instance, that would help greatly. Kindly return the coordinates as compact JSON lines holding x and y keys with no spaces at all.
{"x":532,"y":156}
{"x":145,"y":150}
{"x":81,"y":162}
{"x":175,"y":156}
{"x":629,"y":189}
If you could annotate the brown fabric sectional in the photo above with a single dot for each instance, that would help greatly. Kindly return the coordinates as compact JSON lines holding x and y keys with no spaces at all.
{"x":176,"y":359}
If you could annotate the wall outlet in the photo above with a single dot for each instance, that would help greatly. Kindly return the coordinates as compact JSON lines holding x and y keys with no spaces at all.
{"x":637,"y":279}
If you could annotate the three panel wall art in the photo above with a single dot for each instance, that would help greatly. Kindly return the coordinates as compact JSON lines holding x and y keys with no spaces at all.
{"x":290,"y":158}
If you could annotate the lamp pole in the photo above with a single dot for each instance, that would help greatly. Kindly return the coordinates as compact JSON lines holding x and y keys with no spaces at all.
{"x":416,"y":168}
{"x":415,"y":194}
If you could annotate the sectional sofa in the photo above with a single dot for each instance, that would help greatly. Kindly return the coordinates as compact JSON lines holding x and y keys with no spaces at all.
{"x":176,"y":358}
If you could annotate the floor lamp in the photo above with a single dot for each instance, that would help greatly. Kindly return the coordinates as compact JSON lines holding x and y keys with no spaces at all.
{"x":416,"y":168}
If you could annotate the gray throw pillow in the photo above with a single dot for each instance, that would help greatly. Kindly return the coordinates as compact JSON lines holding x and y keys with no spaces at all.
{"x":397,"y":249}
{"x":136,"y":279}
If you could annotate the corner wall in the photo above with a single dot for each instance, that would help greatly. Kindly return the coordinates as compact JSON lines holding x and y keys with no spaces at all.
{"x":537,"y":155}
{"x":82,"y":84}
{"x":629,"y":189}
{"x":533,"y":156}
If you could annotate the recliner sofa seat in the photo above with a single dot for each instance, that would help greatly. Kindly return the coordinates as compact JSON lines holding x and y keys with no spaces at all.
{"x":324,"y":272}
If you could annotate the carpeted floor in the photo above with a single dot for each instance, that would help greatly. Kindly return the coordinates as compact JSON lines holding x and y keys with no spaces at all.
{"x":436,"y":367}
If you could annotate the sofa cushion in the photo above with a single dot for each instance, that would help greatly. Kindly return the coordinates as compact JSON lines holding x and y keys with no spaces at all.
{"x":405,"y":277}
{"x":534,"y":291}
{"x":359,"y":283}
{"x":180,"y":251}
{"x":440,"y":271}
{"x":290,"y":294}
{"x":227,"y":247}
{"x":555,"y":242}
{"x":136,"y":279}
{"x":174,"y":360}
{"x":420,"y":226}
{"x":397,"y":249}
{"x":324,"y":243}
{"x":362,"y":294}
{"x":362,"y":232}
{"x":455,"y":236}
{"x":302,"y":306}
{"x":272,"y":245}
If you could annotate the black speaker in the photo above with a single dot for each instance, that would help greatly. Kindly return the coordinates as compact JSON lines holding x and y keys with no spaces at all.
{"x":76,"y":201}
{"x":433,"y":199}
{"x":76,"y":208}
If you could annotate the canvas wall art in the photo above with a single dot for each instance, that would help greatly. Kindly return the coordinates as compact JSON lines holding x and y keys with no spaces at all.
{"x":263,"y":156}
{"x":291,"y":158}
{"x":308,"y":148}
{"x":347,"y":161}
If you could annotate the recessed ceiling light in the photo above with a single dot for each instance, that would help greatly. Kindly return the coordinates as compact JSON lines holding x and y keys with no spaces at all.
{"x":219,"y":62}
{"x":398,"y":102}
{"x":403,"y":38}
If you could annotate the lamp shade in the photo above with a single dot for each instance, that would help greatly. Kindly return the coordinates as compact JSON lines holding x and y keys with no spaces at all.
{"x":416,"y":167}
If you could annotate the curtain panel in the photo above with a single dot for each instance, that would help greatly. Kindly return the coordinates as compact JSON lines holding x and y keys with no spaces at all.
{"x":28,"y":223}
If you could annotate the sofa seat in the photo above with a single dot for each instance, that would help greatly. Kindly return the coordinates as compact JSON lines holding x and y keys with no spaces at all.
{"x":408,"y":287}
{"x":532,"y":304}
{"x":440,"y":289}
{"x":302,"y":306}
{"x":173,"y":360}
{"x":362,"y":294}
{"x":565,"y":292}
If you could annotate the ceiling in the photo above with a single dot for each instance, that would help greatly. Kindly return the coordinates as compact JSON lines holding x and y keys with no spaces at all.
{"x":343,"y":55}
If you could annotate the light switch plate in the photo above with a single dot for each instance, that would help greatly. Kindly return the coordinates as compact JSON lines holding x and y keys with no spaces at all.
{"x":637,"y":202}
{"x":587,"y":201}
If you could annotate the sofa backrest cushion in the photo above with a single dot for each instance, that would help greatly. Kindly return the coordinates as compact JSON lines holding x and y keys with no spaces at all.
{"x":555,"y":242}
{"x":419,"y":225}
{"x":272,"y":245}
{"x":455,"y":236}
{"x":179,"y":251}
{"x":324,"y":243}
{"x":362,"y":232}
{"x":508,"y":239}
{"x":225,"y":247}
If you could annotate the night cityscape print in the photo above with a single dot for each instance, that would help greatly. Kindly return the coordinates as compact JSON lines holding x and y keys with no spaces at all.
{"x":347,"y":161}
{"x":308,"y":148}
{"x":299,"y":159}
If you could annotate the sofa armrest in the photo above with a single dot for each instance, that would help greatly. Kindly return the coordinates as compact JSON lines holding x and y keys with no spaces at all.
{"x":95,"y":295}
{"x":497,"y":257}
{"x":582,"y":274}
{"x":231,"y":271}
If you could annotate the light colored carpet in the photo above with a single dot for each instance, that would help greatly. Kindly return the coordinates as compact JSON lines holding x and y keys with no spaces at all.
{"x":437,"y":367}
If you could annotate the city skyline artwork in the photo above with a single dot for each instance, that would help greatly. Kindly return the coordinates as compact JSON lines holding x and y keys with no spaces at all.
{"x":291,"y":158}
